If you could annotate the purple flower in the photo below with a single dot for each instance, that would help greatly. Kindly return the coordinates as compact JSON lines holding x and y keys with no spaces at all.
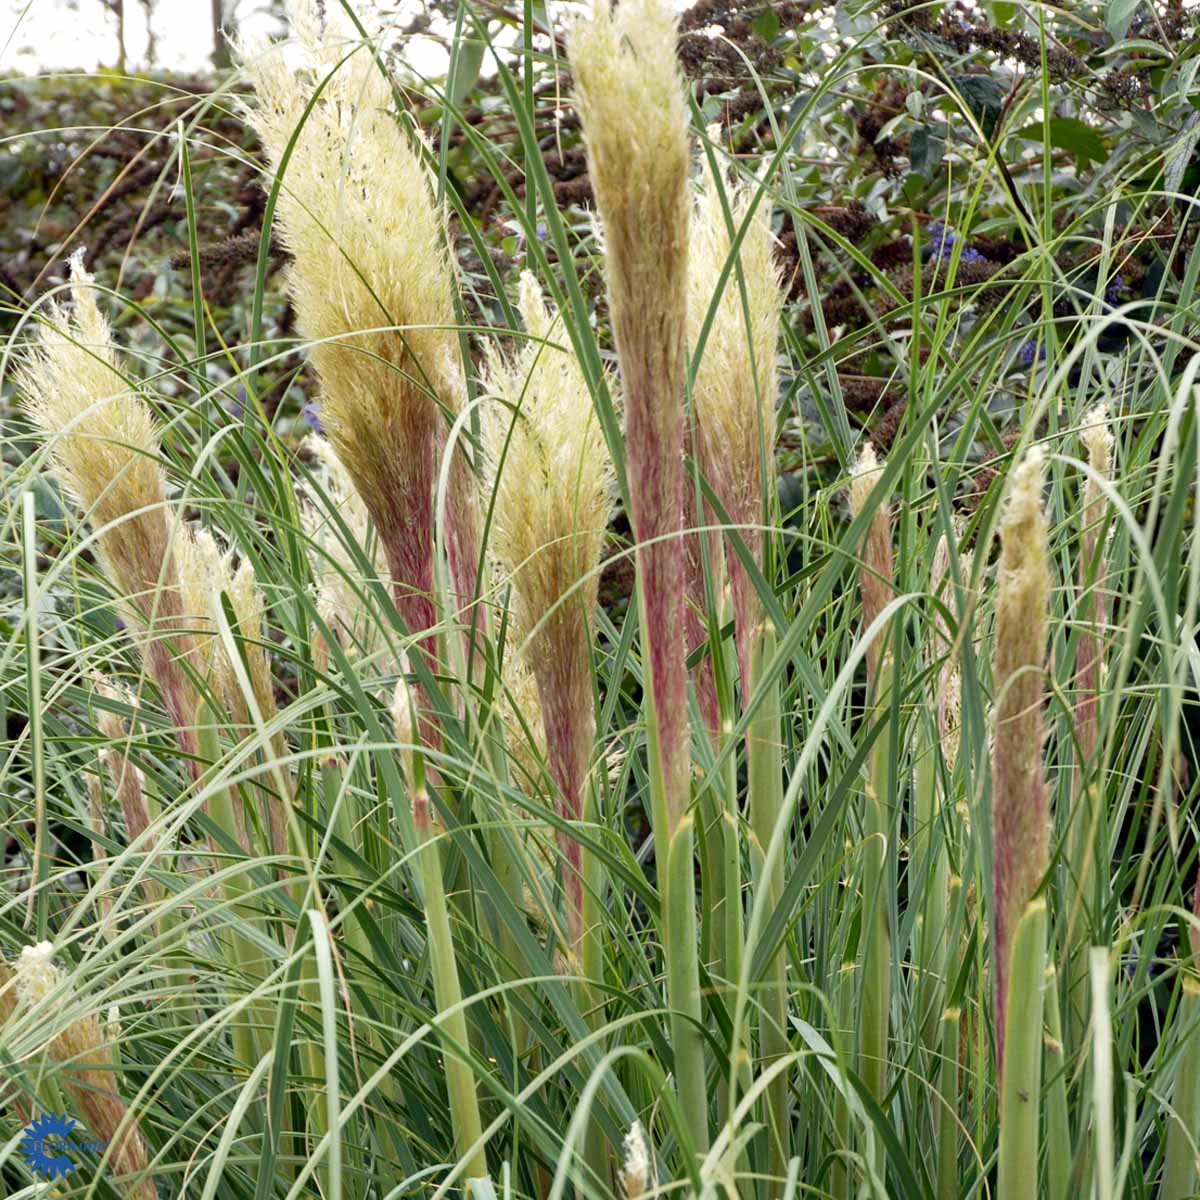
{"x":310,"y":414}
{"x":541,"y":231}
{"x":942,"y":240}
{"x":1032,"y":352}
{"x":1115,"y":290}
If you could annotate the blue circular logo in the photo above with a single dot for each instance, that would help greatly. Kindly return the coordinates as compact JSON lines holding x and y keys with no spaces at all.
{"x":44,"y":1145}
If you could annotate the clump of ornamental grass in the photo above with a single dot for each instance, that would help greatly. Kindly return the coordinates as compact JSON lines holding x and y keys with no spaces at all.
{"x":87,"y":1071}
{"x":373,"y":288}
{"x":551,"y":478}
{"x":630,"y":97}
{"x":1020,"y":831}
{"x":104,"y":445}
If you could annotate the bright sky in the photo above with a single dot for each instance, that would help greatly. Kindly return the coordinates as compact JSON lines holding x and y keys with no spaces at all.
{"x":44,"y":35}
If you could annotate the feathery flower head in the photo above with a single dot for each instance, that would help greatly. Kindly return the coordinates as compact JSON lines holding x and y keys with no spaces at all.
{"x":552,"y":480}
{"x":38,"y":976}
{"x":111,"y":724}
{"x":368,"y":242}
{"x":1019,"y":808}
{"x":875,"y":574}
{"x":40,"y":981}
{"x":550,"y":469}
{"x":1098,"y":439}
{"x":104,"y":439}
{"x":404,"y":725}
{"x":736,"y":379}
{"x":629,"y":91}
{"x":864,"y":475}
{"x":85,"y":1055}
{"x":630,"y":96}
{"x":371,"y":282}
{"x":104,"y":444}
{"x":204,"y":572}
{"x":636,"y":1178}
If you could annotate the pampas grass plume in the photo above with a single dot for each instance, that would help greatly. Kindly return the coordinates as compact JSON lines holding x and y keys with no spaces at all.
{"x":875,"y":574}
{"x":1019,"y":806}
{"x":736,"y":379}
{"x":371,"y":283}
{"x":552,"y":480}
{"x":630,"y":96}
{"x":104,"y":445}
{"x":85,"y":1055}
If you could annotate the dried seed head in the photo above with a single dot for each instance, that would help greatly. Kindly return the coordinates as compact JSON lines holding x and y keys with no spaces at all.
{"x":636,"y":1173}
{"x":1019,"y":813}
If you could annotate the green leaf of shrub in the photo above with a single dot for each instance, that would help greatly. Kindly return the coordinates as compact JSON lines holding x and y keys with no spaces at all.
{"x":925,"y":148}
{"x":766,"y":25}
{"x":1069,"y":133}
{"x":1120,"y":13}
